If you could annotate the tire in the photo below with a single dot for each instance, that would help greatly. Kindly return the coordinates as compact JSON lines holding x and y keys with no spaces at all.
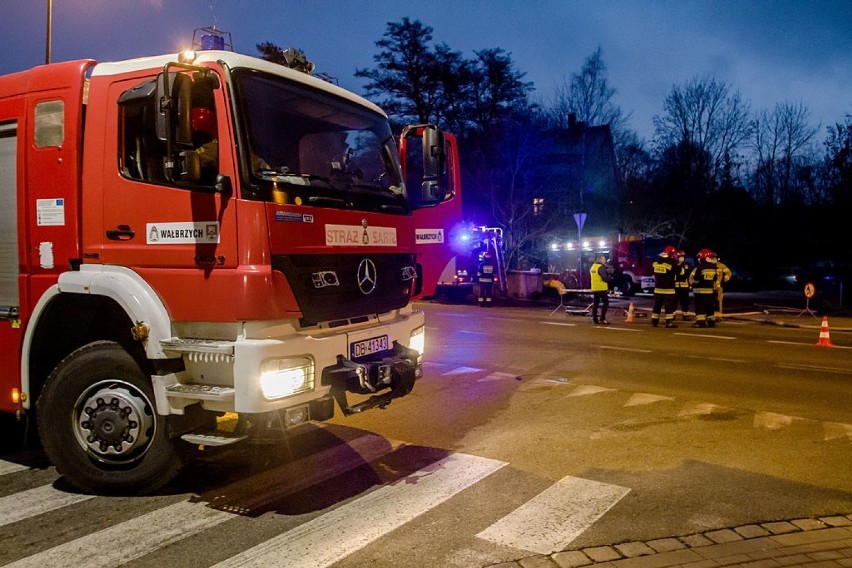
{"x":99,"y":426}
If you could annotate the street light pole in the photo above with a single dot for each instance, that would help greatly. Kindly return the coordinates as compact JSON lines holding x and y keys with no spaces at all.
{"x":49,"y":25}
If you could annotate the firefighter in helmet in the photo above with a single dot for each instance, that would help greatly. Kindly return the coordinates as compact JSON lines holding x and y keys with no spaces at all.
{"x":485,"y":276}
{"x":682,"y":284}
{"x":723,"y":276}
{"x":664,"y":287}
{"x":703,"y":279}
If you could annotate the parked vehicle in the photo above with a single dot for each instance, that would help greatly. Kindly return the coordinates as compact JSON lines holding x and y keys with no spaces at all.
{"x":144,"y":294}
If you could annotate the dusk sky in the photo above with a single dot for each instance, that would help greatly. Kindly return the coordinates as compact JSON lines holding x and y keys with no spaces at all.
{"x":772,"y":51}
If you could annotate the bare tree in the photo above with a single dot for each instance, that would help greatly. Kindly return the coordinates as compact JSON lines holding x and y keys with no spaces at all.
{"x":707,"y":114}
{"x":588,"y":96}
{"x":781,"y":143}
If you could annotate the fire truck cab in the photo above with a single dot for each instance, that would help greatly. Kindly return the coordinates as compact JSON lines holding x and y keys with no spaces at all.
{"x":192,"y":235}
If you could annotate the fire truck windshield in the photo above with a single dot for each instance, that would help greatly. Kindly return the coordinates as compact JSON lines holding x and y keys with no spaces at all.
{"x":308,"y":147}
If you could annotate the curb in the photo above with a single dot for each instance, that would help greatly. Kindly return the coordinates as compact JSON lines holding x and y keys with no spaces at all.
{"x":596,"y":555}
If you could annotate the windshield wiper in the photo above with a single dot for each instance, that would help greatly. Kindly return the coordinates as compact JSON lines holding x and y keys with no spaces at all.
{"x":329,"y":201}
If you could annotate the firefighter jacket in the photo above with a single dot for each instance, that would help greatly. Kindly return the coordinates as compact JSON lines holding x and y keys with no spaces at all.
{"x":665,"y":270}
{"x":681,"y":275}
{"x":704,"y":277}
{"x":485,"y":274}
{"x":600,"y":276}
{"x":723,"y":274}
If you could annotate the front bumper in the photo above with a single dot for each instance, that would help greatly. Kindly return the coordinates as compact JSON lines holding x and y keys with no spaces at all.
{"x":335,"y":371}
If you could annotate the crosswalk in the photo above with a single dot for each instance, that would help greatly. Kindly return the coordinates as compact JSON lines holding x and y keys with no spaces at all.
{"x":545,"y":523}
{"x":405,"y":483}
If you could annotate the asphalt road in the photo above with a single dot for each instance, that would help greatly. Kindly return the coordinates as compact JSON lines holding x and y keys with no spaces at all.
{"x":530,"y":432}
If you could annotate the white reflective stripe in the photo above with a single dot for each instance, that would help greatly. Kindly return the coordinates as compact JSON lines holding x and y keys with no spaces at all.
{"x":10,"y":467}
{"x":552,"y":519}
{"x":131,"y":539}
{"x":32,"y":502}
{"x":342,"y":531}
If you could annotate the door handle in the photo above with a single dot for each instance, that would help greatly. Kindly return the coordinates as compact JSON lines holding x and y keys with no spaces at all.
{"x":122,"y":233}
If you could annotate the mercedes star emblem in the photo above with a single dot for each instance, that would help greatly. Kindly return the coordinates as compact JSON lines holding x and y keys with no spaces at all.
{"x":367,"y":276}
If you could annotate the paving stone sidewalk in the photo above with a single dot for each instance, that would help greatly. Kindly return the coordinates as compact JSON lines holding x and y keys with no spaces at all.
{"x":812,"y":543}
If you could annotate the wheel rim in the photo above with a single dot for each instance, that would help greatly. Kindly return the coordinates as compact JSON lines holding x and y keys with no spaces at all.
{"x":114,"y":422}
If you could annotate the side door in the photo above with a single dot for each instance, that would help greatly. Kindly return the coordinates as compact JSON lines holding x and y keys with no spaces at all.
{"x":155,"y":219}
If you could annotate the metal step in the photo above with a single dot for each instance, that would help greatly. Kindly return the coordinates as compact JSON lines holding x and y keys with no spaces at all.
{"x":212,"y":438}
{"x":179,"y":345}
{"x":200,"y":392}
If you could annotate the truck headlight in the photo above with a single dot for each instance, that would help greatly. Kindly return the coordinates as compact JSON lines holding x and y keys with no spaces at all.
{"x":287,"y":376}
{"x":418,"y":340}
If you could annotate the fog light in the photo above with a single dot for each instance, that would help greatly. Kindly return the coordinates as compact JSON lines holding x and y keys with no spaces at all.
{"x":296,"y":415}
{"x":285,"y":377}
{"x":418,"y":339}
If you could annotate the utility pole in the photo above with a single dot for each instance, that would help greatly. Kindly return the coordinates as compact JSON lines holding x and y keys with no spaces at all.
{"x":49,"y":25}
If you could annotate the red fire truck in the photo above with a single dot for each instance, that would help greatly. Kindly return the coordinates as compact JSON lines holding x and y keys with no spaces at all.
{"x":437,"y":229}
{"x":631,"y":256}
{"x":192,"y":235}
{"x":448,"y":249}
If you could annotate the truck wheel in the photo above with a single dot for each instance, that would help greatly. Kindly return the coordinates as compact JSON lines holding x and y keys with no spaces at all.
{"x":626,"y":287}
{"x":99,"y":426}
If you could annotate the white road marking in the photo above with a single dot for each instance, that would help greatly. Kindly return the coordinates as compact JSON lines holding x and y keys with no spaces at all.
{"x":497,"y":376}
{"x":549,"y":379}
{"x":722,"y":359}
{"x":127,"y":541}
{"x":551,"y":520}
{"x":32,"y":502}
{"x":639,"y":399}
{"x":686,"y":334}
{"x":563,"y":324}
{"x":628,"y":349}
{"x":342,"y":531}
{"x":616,"y":328}
{"x":461,"y":371}
{"x":835,"y":430}
{"x":817,"y":368}
{"x":10,"y":467}
{"x":799,"y":343}
{"x":132,"y":539}
{"x":699,"y":408}
{"x":586,"y":390}
{"x":774,"y":421}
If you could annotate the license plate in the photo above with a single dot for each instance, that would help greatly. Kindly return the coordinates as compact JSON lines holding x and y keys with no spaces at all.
{"x":368,"y":346}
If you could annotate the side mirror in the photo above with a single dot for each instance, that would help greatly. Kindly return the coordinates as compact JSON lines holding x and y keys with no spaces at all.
{"x":433,"y":189}
{"x":223,"y":185}
{"x":174,"y":106}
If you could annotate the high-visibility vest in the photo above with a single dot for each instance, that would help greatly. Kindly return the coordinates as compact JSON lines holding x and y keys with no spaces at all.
{"x":598,"y":283}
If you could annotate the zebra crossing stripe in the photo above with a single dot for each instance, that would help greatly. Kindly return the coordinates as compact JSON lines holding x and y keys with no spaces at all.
{"x":32,"y":502}
{"x":131,"y":539}
{"x":552,"y":519}
{"x":342,"y":531}
{"x":10,"y":467}
{"x":461,"y":371}
{"x":121,"y":543}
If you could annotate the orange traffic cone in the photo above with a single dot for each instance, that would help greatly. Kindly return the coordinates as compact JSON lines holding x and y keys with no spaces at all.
{"x":630,"y":314}
{"x":824,"y":338}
